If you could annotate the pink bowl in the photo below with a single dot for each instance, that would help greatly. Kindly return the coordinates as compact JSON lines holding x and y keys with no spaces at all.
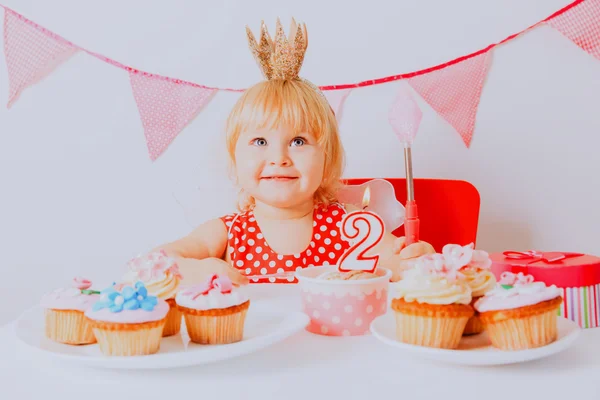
{"x":342,"y":308}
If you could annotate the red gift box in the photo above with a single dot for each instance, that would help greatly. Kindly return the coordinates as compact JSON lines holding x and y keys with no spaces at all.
{"x":578,"y":275}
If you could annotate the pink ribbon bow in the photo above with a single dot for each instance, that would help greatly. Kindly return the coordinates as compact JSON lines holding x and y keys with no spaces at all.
{"x":535,"y":256}
{"x":222,"y":283}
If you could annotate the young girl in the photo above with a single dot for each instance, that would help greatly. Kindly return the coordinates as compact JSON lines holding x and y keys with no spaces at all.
{"x":287,"y":158}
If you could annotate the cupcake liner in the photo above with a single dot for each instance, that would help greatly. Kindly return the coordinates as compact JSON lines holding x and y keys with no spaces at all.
{"x":116,"y":339}
{"x":173,"y":323}
{"x":218,"y":326}
{"x":438,"y":332}
{"x":430,"y":325}
{"x":474,"y":325}
{"x":523,"y":328}
{"x":68,"y":326}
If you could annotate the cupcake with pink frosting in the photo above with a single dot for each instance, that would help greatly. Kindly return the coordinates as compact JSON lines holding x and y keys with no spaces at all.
{"x":214,"y":311}
{"x":474,"y":266}
{"x":432,"y":303}
{"x":520,"y":313}
{"x":160,"y":275}
{"x":128,"y":321}
{"x":64,"y":313}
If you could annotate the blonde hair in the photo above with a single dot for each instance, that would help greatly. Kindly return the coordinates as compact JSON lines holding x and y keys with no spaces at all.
{"x":296,"y":105}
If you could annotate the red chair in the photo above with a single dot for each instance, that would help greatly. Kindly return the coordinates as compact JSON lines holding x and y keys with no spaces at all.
{"x":448,"y":209}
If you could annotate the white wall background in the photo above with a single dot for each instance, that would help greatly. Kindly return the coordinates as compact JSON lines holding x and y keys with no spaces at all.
{"x":79,"y":194}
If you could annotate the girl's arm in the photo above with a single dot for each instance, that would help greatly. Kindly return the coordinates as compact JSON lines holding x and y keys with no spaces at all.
{"x":207,"y":240}
{"x":202,"y":253}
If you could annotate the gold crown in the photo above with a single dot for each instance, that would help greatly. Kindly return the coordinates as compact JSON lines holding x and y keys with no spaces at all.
{"x":280,"y":58}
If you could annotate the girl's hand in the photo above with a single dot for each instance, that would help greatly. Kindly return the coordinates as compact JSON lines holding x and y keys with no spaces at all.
{"x":404,"y":256}
{"x":197,"y":271}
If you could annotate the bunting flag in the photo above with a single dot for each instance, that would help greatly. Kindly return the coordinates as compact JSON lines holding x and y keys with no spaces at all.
{"x":454,"y":92}
{"x":581,"y":24}
{"x":32,"y":53}
{"x":336,"y":99}
{"x":167,"y":105}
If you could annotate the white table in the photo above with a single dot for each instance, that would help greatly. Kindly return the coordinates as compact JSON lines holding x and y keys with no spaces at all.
{"x":307,"y":366}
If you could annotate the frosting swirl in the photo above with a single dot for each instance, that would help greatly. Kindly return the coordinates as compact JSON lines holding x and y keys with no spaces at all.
{"x":159,"y":273}
{"x":433,"y":281}
{"x":216,"y":293}
{"x":480,"y":281}
{"x":514,"y":291}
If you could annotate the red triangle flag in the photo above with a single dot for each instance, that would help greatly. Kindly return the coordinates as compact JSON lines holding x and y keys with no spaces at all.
{"x":166,"y":107}
{"x":454,"y":92}
{"x":581,"y":24}
{"x":32,"y":53}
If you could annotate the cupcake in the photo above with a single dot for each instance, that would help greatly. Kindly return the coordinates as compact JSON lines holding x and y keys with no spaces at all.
{"x":214,"y":311}
{"x":520,"y":313}
{"x":160,"y":275}
{"x":128,"y":322}
{"x":64,"y":313}
{"x":431,"y":304}
{"x":474,"y":266}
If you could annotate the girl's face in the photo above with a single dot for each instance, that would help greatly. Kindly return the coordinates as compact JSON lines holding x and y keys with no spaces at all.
{"x":279,"y":167}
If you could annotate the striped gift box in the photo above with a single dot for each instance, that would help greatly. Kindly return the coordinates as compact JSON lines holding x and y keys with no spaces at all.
{"x":576,"y":274}
{"x":582,"y":305}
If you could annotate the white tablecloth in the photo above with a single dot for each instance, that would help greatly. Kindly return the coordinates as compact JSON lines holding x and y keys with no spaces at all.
{"x":307,"y":366}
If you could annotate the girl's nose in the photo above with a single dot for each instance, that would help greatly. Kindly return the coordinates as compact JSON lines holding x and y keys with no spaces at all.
{"x":279,"y":157}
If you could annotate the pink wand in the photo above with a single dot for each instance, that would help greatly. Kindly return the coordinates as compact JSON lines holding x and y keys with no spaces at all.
{"x":405,"y":117}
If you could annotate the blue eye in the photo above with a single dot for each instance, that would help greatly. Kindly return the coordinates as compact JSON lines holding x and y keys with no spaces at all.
{"x":259,"y":142}
{"x":298,"y":141}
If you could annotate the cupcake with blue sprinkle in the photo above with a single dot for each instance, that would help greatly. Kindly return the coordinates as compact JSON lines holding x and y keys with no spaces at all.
{"x":128,"y":322}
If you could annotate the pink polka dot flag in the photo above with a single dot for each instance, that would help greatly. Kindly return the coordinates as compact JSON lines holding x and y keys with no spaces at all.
{"x":31,"y":53}
{"x":166,"y":107}
{"x":581,"y":24}
{"x":454,"y":92}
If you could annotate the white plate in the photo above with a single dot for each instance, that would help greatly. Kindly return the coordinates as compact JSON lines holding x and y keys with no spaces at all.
{"x":476,"y":349}
{"x":266,"y":324}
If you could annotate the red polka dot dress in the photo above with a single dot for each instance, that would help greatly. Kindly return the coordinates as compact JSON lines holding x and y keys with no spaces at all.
{"x":251,"y":255}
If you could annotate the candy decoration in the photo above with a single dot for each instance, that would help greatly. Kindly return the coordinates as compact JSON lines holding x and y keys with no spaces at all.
{"x":81,"y":283}
{"x":128,"y":299}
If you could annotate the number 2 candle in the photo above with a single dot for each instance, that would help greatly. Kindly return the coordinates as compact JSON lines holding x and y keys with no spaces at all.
{"x":364,"y":230}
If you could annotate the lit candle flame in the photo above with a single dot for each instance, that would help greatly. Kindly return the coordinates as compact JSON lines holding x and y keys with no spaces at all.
{"x":366,"y":197}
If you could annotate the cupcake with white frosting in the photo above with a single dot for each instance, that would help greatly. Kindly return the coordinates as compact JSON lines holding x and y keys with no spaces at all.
{"x":520,"y":313}
{"x":161,"y":277}
{"x":64,"y":313}
{"x":474,"y":266}
{"x":128,"y":321}
{"x":431,"y":304}
{"x":214,"y":311}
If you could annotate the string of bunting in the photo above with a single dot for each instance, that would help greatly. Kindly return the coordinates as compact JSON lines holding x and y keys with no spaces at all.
{"x":167,"y":105}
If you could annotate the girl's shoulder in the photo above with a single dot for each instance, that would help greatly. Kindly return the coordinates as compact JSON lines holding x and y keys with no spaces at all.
{"x":230,"y":219}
